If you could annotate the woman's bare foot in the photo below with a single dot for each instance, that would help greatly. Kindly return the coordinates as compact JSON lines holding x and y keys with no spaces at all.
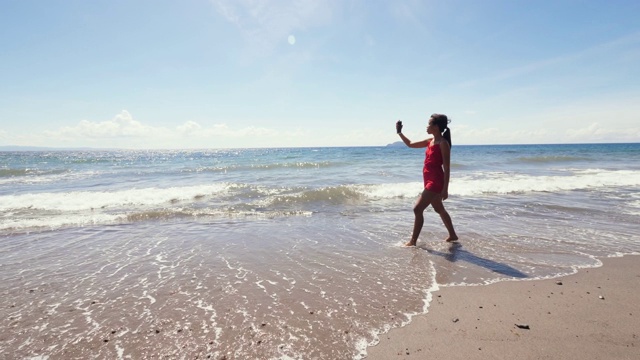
{"x":410,"y":243}
{"x":452,"y":238}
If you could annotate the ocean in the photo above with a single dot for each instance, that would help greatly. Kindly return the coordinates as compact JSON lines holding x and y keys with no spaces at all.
{"x":291,"y":253}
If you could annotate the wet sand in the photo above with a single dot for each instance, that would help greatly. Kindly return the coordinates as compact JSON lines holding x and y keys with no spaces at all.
{"x":593,"y":314}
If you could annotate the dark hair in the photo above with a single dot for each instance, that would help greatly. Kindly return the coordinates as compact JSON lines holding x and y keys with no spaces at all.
{"x":442,"y":122}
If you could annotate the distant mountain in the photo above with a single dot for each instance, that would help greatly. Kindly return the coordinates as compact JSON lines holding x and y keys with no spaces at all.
{"x":397,"y":143}
{"x":24,"y":148}
{"x":41,"y":148}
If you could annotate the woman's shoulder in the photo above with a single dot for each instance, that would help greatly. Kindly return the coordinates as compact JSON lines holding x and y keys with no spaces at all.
{"x":443,"y":144}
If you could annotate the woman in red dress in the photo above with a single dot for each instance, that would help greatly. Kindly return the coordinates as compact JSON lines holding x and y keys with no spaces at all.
{"x":435,"y":174}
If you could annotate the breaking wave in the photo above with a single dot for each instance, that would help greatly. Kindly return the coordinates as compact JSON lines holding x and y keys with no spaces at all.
{"x":79,"y":208}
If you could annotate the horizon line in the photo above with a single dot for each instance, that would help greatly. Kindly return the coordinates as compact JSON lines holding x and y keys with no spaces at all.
{"x":26,"y":148}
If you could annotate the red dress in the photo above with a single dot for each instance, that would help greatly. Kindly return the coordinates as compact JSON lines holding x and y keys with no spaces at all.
{"x":433,"y":173}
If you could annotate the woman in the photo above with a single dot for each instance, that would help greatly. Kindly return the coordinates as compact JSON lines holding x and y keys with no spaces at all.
{"x":435,"y":174}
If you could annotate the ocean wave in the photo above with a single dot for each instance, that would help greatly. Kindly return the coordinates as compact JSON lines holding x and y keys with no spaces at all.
{"x":93,"y":160}
{"x":166,"y":214}
{"x":262,"y":167}
{"x":300,"y":165}
{"x":493,"y":183}
{"x":235,"y":200}
{"x":90,"y":200}
{"x":46,"y":177}
{"x":11,"y":173}
{"x":335,"y":195}
{"x":549,"y":159}
{"x":504,"y":183}
{"x":458,"y":166}
{"x":263,"y":196}
{"x":51,"y":221}
{"x":54,"y":222}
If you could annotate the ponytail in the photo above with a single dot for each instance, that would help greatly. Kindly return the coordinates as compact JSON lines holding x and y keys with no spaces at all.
{"x":447,"y":135}
{"x":442,"y":121}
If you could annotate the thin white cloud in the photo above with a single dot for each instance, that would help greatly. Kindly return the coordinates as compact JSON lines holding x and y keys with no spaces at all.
{"x":188,"y":128}
{"x":595,"y":132}
{"x":191,"y":128}
{"x":266,"y":24}
{"x":600,"y":119}
{"x":625,"y":47}
{"x":122,"y":125}
{"x":590,"y":134}
{"x":467,"y":134}
{"x":412,"y":11}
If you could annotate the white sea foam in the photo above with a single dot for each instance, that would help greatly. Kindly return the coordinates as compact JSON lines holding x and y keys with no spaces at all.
{"x":503,"y":183}
{"x":476,"y":184}
{"x":88,"y":200}
{"x":55,"y":222}
{"x":120,"y":351}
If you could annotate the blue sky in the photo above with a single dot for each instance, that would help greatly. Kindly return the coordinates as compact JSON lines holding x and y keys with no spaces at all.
{"x":248,"y":73}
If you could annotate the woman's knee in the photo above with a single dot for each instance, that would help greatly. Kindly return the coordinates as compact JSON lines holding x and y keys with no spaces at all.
{"x":439,"y":207}
{"x":419,"y":208}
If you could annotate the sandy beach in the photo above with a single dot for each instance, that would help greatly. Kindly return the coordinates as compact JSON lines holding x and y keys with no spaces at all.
{"x":593,"y":314}
{"x":296,"y":253}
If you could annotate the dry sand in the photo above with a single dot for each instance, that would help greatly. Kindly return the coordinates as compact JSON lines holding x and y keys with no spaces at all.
{"x":594,"y":314}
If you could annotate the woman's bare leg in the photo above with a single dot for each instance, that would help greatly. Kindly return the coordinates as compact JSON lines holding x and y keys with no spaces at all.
{"x":438,"y":206}
{"x":423,"y":202}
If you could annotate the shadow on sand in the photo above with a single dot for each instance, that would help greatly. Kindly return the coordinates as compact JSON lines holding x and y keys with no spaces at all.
{"x":457,"y":253}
